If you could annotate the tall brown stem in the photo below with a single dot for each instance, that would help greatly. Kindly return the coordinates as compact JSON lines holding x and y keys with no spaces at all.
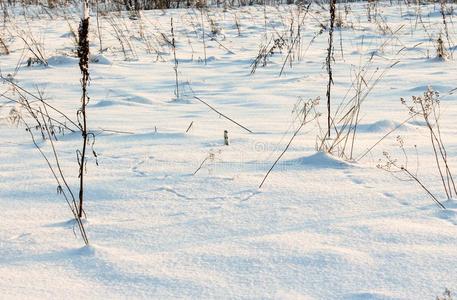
{"x":83,"y":54}
{"x":329,"y":62}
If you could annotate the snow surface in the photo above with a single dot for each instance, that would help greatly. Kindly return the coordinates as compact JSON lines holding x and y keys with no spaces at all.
{"x":320,"y":227}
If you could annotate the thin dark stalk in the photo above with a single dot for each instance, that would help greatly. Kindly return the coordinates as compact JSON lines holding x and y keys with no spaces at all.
{"x":203,"y":33}
{"x":222,"y":115}
{"x":83,"y":54}
{"x":294,"y":42}
{"x":329,"y":63}
{"x":77,"y":216}
{"x":39,"y":99}
{"x":98,"y":27}
{"x":425,"y":189}
{"x":434,"y":142}
{"x":34,"y":110}
{"x":56,"y":177}
{"x":384,"y":136}
{"x":306,"y":111}
{"x":190,"y":125}
{"x":201,"y":165}
{"x":173,"y":45}
{"x":282,"y":153}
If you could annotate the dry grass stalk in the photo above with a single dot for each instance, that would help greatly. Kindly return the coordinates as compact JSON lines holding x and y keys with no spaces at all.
{"x":83,"y":54}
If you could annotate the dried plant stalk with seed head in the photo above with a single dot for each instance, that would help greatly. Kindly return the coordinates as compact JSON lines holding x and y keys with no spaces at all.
{"x":83,"y":54}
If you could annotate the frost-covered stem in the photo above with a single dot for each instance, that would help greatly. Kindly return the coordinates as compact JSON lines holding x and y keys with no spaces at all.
{"x":434,"y":146}
{"x":443,"y":14}
{"x":329,"y":61}
{"x":83,"y":54}
{"x":99,"y":29}
{"x":173,"y":44}
{"x":203,"y":33}
{"x":443,"y":152}
{"x":357,"y":111}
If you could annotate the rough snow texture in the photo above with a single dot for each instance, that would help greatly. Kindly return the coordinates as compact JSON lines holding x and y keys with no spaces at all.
{"x":320,"y":228}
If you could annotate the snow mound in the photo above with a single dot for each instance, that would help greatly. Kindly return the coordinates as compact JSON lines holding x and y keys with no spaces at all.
{"x":59,"y":60}
{"x":379,"y":126}
{"x":66,"y":224}
{"x":450,"y":204}
{"x":127,"y":100}
{"x":84,"y":251}
{"x":320,"y":160}
{"x":104,"y":103}
{"x":100,"y":59}
{"x":450,"y":213}
{"x":418,"y":123}
{"x":208,"y":59}
{"x":68,"y":35}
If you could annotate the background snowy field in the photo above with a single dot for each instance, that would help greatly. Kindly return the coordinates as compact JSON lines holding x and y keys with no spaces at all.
{"x":319,"y":228}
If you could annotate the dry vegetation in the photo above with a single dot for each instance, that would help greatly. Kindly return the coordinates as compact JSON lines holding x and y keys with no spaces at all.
{"x":125,"y":24}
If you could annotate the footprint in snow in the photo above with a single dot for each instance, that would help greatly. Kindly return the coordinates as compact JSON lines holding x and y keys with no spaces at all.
{"x":20,"y":236}
{"x":449,"y":214}
{"x":245,"y":195}
{"x":357,"y":180}
{"x":137,"y":168}
{"x":354,"y":179}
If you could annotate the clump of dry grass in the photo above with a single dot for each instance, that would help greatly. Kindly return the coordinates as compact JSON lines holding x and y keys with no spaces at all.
{"x":34,"y":45}
{"x":3,"y":47}
{"x":267,"y":50}
{"x":344,"y":121}
{"x":397,"y":168}
{"x":427,"y":108}
{"x":41,"y":118}
{"x":447,"y":295}
{"x":441,"y":52}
